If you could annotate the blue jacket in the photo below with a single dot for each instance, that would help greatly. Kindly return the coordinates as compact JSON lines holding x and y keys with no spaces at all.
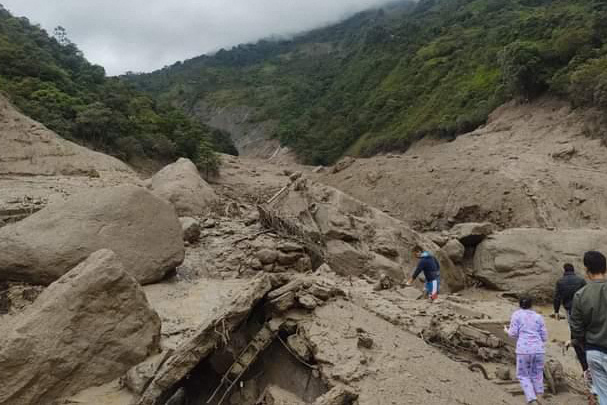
{"x":429,"y":265}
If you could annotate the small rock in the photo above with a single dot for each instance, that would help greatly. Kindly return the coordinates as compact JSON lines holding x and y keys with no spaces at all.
{"x":209,"y":223}
{"x":364,"y":340}
{"x":299,"y":346}
{"x":191,"y":229}
{"x":307,"y":301}
{"x":285,"y":259}
{"x":267,"y":256}
{"x":256,"y":264}
{"x":503,"y":373}
{"x":295,"y":176}
{"x":284,"y":302}
{"x":289,"y":247}
{"x":304,"y":264}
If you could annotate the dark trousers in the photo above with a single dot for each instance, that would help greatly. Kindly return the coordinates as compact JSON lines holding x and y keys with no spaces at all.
{"x":580,"y":353}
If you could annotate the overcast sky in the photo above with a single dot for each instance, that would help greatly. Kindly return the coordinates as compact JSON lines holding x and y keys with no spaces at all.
{"x":144,"y":35}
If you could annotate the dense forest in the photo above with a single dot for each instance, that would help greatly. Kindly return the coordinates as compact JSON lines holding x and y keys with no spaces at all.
{"x":49,"y":79}
{"x":382,"y":79}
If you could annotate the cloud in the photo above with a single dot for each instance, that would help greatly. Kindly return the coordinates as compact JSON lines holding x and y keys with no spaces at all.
{"x":143,"y":35}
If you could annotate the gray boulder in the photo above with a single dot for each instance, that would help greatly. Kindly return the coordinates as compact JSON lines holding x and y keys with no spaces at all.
{"x":180,"y":184}
{"x":140,"y":228}
{"x":528,"y":259}
{"x":85,"y":329}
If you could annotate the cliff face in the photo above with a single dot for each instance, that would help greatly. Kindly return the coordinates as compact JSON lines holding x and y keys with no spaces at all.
{"x":252,"y":139}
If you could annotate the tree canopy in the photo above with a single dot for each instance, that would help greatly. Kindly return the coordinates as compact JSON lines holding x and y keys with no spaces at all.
{"x":49,"y":79}
{"x":380,"y":80}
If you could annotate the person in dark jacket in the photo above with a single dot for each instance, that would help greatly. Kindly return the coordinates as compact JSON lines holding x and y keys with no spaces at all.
{"x":431,"y":268}
{"x":566,"y":288}
{"x":588,"y":321}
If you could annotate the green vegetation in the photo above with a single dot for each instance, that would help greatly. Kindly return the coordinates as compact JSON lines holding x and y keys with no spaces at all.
{"x":384,"y":78}
{"x":49,"y":79}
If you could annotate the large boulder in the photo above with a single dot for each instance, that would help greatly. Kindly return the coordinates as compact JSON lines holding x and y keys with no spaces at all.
{"x":142,"y":229}
{"x":529,"y":259}
{"x":85,"y":329}
{"x":180,"y":184}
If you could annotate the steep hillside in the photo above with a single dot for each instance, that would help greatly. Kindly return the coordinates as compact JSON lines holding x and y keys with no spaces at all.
{"x":28,"y":148}
{"x":385,"y":78}
{"x":50,"y":80}
{"x":532,"y":165}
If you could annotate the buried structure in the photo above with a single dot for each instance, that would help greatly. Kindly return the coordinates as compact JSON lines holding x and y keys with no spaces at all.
{"x":253,"y":351}
{"x":302,"y":340}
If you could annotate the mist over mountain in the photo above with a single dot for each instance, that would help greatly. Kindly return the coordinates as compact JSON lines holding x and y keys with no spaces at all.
{"x":385,"y":78}
{"x":139,"y":35}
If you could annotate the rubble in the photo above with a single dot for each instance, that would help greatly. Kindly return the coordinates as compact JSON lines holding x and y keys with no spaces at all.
{"x":351,"y":237}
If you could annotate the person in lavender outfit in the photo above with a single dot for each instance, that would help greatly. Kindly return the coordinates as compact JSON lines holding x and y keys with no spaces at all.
{"x":529,"y":329}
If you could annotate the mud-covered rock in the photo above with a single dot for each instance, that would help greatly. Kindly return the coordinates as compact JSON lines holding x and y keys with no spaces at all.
{"x":85,"y":329}
{"x":267,"y":256}
{"x":340,"y":395}
{"x":472,"y":233}
{"x":190,"y":228}
{"x":180,"y":184}
{"x":528,"y":259}
{"x":455,"y":250}
{"x":139,"y":227}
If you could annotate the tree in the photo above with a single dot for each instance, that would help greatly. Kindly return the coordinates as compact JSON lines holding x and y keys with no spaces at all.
{"x":208,"y":161}
{"x":521,"y":66}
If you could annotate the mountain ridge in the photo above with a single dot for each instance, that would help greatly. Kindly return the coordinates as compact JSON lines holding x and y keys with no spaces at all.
{"x":383,"y":79}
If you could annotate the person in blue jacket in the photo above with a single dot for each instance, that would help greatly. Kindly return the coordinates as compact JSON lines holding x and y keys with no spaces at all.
{"x":430,"y":266}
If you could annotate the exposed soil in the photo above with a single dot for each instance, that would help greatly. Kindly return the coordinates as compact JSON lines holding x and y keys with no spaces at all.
{"x":531,"y":165}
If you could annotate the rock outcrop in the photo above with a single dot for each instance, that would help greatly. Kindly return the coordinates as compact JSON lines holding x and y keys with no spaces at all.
{"x":180,"y":184}
{"x":85,"y":329}
{"x":29,"y":148}
{"x":140,"y":228}
{"x":472,"y":233}
{"x":528,"y":259}
{"x":352,"y":237}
